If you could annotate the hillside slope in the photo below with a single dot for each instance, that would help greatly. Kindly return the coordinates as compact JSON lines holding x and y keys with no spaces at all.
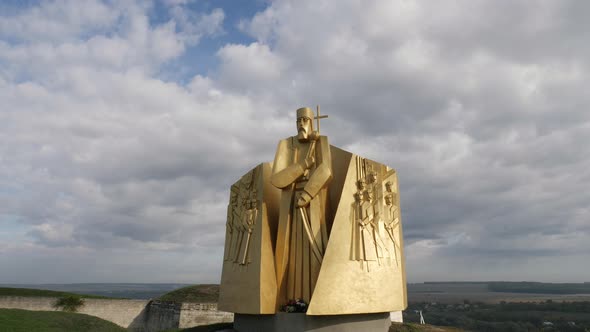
{"x":206,"y":293}
{"x":16,"y":320}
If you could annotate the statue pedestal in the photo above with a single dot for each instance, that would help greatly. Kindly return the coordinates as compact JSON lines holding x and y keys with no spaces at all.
{"x":299,"y":322}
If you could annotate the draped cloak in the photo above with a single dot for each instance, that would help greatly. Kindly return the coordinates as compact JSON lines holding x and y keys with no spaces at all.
{"x":297,"y":265}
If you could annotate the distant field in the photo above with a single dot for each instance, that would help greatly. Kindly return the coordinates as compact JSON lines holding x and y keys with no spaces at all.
{"x":540,"y":287}
{"x":457,"y":292}
{"x":516,"y":316}
{"x":15,"y":320}
{"x":196,"y":293}
{"x":28,"y":292}
{"x":110,"y":290}
{"x":444,"y":292}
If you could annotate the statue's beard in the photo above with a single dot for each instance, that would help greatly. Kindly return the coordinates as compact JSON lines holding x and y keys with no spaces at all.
{"x":302,"y":134}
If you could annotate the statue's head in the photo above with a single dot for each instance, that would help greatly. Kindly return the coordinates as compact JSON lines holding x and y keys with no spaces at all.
{"x":389,"y":199}
{"x":389,"y":186}
{"x":361,"y":184}
{"x":304,"y":123}
{"x":373,"y":177}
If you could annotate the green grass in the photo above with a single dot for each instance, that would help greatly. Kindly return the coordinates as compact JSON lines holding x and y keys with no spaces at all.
{"x":395,"y":327}
{"x":197,"y":293}
{"x":412,"y":327}
{"x":29,"y":292}
{"x":16,"y":320}
{"x":205,"y":328}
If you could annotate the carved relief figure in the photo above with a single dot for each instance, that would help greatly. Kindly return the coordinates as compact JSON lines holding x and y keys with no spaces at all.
{"x":391,"y":218}
{"x":241,"y":217}
{"x":376,"y":193}
{"x":231,"y":235}
{"x":248,"y":222}
{"x":356,"y":247}
{"x":367,"y":224}
{"x":369,"y":228}
{"x":302,"y":169}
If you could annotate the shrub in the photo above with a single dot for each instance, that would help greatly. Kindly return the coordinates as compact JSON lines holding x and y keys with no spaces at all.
{"x":70,"y":303}
{"x":295,"y":306}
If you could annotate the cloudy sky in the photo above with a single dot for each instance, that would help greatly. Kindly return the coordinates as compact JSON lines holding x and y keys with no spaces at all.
{"x":122,"y":124}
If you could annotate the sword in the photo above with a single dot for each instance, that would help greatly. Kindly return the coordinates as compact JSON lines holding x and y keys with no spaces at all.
{"x":390,"y":232}
{"x":314,"y":246}
{"x":252,"y":218}
{"x":245,"y":257}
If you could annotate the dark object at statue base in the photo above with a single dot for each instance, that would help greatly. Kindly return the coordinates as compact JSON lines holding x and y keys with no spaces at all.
{"x":300,"y":322}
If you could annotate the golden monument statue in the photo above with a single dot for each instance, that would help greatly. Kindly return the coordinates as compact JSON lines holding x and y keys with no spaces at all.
{"x":302,"y":169}
{"x":319,"y":225}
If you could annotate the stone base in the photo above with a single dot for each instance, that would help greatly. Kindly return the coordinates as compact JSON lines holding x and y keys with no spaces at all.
{"x":299,"y":322}
{"x":396,"y":316}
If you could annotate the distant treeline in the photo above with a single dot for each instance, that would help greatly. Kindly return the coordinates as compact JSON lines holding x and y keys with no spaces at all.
{"x":539,"y":287}
{"x":548,"y":305}
{"x":457,"y":282}
{"x":513,"y":317}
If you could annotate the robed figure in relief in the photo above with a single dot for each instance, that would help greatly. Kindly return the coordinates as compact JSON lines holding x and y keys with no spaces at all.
{"x":302,"y":168}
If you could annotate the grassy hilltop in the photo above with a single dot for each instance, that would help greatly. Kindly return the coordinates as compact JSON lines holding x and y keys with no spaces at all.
{"x":16,"y":320}
{"x":206,"y":293}
{"x":29,"y":292}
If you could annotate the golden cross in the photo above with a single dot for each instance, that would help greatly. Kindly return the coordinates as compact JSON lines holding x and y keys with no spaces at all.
{"x":318,"y":117}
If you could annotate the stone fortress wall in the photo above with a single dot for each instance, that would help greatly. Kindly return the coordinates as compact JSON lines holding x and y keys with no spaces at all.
{"x":137,"y":315}
{"x":195,"y":314}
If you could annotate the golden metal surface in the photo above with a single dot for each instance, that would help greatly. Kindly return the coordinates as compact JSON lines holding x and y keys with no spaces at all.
{"x":362,"y":273}
{"x":318,"y":224}
{"x":248,"y":282}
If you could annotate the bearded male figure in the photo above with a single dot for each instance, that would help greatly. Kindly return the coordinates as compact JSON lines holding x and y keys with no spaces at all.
{"x":302,"y":169}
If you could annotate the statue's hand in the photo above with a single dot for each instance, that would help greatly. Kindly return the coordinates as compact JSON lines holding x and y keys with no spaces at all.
{"x":304,"y":199}
{"x":309,"y":162}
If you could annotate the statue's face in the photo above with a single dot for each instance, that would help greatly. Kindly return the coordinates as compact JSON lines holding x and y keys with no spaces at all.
{"x":388,"y":200}
{"x":373,"y":177}
{"x":388,"y":186}
{"x":304,"y":128}
{"x":361,"y":184}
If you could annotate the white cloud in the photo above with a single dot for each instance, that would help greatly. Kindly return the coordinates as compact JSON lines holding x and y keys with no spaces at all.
{"x":59,"y":20}
{"x":251,"y":66}
{"x":126,"y":40}
{"x":485,"y":127}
